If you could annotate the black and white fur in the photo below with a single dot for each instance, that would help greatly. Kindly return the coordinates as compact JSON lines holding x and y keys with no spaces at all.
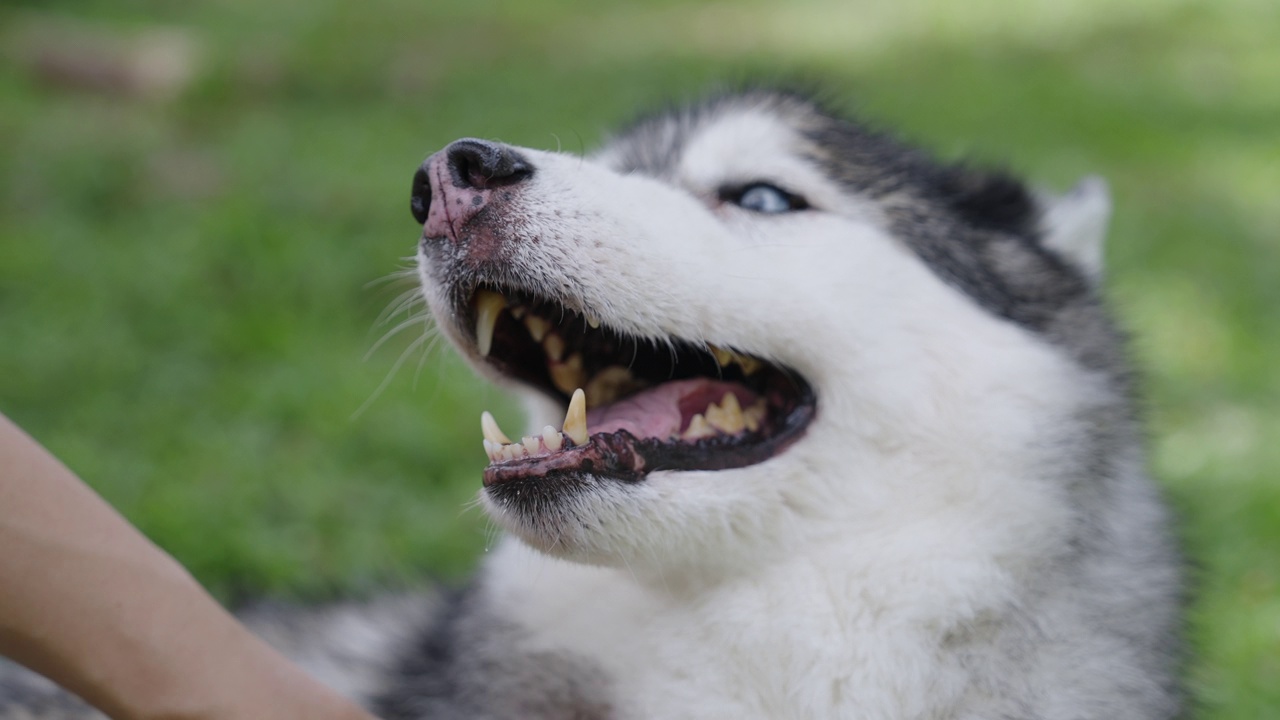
{"x":966,"y":530}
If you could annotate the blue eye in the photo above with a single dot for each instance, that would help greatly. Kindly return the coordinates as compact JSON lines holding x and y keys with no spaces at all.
{"x":765,"y":198}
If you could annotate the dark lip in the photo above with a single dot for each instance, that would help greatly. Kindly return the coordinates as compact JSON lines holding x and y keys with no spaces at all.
{"x":624,"y":457}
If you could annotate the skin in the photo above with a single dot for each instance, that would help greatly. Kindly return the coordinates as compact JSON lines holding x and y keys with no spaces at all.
{"x":89,"y":602}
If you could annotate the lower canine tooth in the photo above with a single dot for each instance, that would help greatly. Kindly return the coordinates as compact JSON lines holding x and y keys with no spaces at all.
{"x":575,"y":420}
{"x":488,"y":304}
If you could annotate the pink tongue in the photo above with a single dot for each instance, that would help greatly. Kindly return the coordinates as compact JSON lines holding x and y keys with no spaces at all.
{"x":665,"y":410}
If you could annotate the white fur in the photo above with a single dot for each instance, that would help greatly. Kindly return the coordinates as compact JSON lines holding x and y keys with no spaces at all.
{"x":1076,"y":224}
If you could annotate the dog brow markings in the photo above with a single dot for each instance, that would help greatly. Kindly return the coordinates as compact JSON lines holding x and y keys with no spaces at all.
{"x":742,"y":149}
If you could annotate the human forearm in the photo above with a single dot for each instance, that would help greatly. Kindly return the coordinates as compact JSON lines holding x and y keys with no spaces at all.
{"x":88,"y":601}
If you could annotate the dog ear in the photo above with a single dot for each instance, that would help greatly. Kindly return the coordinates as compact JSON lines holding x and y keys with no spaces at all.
{"x":1075,"y":225}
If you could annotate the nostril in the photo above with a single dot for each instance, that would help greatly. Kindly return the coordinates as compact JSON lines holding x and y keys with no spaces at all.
{"x":420,"y":199}
{"x":481,"y":164}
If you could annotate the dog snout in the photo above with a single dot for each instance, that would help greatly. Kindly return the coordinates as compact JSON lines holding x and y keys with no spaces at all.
{"x":454,"y":184}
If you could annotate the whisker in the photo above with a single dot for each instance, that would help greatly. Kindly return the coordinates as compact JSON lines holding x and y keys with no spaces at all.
{"x":435,"y":335}
{"x":420,"y":318}
{"x":404,"y":301}
{"x":390,"y":375}
{"x":404,"y":273}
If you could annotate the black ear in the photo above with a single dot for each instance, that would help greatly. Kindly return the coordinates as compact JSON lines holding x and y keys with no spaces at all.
{"x":989,"y":200}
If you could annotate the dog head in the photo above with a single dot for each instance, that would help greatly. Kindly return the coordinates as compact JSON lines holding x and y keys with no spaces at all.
{"x":749,"y":323}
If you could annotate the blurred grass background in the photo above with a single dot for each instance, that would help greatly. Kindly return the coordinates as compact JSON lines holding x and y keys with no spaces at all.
{"x":195,"y":198}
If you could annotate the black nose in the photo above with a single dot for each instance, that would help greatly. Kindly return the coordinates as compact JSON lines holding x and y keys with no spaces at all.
{"x":468,"y":165}
{"x":420,"y":198}
{"x":480,"y":164}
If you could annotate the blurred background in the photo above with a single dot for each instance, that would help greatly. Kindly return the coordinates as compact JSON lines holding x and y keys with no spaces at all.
{"x":204,"y":218}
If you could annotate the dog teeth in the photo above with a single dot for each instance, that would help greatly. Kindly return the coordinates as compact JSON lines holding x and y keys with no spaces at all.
{"x":568,"y":375}
{"x":698,"y":428}
{"x":553,"y":345}
{"x":726,"y":358}
{"x":491,"y":431}
{"x":749,"y":365}
{"x":552,"y":439}
{"x":727,"y":416}
{"x":518,"y":311}
{"x":754,"y":415}
{"x":593,"y":321}
{"x":488,"y":305}
{"x":537,"y":325}
{"x":608,"y":384}
{"x":575,"y":420}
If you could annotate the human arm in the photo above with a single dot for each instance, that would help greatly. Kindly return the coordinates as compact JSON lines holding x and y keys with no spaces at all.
{"x":89,"y":602}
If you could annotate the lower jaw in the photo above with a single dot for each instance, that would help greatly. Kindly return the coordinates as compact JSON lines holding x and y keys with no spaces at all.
{"x":621,"y":457}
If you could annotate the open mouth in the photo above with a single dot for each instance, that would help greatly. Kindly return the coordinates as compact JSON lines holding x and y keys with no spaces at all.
{"x":633,"y":405}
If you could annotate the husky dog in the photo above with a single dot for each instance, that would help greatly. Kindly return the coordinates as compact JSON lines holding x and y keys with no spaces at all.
{"x":820,"y":428}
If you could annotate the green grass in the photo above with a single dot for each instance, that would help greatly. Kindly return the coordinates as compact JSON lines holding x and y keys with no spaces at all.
{"x":184,"y":298}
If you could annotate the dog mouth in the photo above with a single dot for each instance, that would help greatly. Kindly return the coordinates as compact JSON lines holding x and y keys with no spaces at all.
{"x":633,"y":405}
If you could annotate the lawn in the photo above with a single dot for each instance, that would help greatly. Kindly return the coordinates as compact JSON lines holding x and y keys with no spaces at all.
{"x":193,"y":272}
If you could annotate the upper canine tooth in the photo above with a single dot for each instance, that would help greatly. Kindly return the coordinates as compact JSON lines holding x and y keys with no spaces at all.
{"x":593,"y":321}
{"x":575,"y":420}
{"x":553,"y":344}
{"x":538,"y":326}
{"x":488,"y":305}
{"x":491,"y":431}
